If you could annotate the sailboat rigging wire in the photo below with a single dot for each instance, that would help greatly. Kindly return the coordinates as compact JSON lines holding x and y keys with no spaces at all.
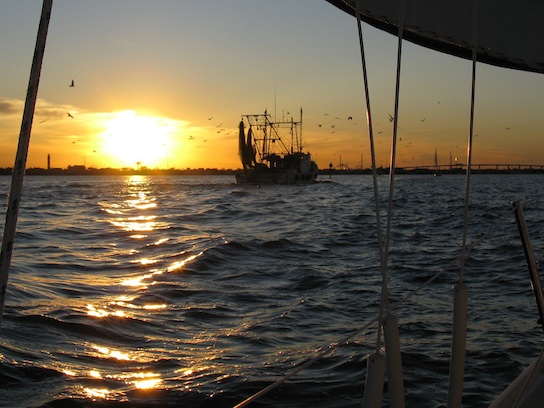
{"x":469,"y":145}
{"x":459,"y":323}
{"x":384,"y":301}
{"x":372,"y":151}
{"x":391,"y":331}
{"x":14,"y":199}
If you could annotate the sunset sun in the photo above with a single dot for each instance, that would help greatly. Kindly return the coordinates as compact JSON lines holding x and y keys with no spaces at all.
{"x":135,"y":140}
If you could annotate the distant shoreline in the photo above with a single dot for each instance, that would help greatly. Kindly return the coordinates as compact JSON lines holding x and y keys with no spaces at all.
{"x":82,"y":171}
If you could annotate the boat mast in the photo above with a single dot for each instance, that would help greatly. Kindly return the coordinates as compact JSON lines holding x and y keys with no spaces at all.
{"x":300,"y":136}
{"x":265,"y":134}
{"x":293,"y":135}
{"x":22,"y":152}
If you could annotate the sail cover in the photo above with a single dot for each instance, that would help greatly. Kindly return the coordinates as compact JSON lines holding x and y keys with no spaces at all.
{"x":509,"y":32}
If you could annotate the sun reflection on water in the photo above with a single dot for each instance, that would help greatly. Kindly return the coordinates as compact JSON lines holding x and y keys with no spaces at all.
{"x":138,"y":281}
{"x":133,"y":213}
{"x":100,"y":312}
{"x":136,"y":215}
{"x":145,"y":380}
{"x":94,"y":393}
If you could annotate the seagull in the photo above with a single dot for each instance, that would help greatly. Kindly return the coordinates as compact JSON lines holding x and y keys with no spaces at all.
{"x":70,"y":116}
{"x":72,"y":84}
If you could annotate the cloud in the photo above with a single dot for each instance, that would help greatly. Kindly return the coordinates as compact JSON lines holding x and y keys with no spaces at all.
{"x":10,"y":106}
{"x":14,"y":107}
{"x":48,"y":110}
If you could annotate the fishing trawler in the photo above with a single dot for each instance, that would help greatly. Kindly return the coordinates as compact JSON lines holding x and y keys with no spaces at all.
{"x":271,"y":152}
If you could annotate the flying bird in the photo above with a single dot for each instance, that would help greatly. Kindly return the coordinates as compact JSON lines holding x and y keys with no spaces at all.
{"x":70,"y":116}
{"x":72,"y":84}
{"x":350,"y":117}
{"x":210,"y":118}
{"x":390,"y":118}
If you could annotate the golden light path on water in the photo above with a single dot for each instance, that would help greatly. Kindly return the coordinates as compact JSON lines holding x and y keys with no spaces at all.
{"x":137,"y":226}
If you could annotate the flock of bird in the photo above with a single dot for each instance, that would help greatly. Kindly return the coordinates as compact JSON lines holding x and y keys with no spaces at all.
{"x":221,"y":129}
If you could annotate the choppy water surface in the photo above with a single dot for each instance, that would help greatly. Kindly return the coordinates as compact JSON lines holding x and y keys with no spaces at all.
{"x":195,"y":291}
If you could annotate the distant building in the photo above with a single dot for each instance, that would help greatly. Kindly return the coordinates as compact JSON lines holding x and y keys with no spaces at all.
{"x":78,"y":169}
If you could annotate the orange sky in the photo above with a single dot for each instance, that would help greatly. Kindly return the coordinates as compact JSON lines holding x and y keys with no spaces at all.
{"x":164,"y":84}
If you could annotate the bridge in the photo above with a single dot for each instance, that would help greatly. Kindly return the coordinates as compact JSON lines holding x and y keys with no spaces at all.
{"x":484,"y":166}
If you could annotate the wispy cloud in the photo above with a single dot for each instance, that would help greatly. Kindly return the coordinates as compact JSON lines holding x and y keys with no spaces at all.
{"x":10,"y":106}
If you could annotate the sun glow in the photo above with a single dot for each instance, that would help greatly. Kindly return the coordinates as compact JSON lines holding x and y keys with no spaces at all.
{"x":133,"y":140}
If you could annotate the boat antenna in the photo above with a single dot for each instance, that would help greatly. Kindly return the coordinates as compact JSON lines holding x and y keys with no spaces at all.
{"x":22,"y":153}
{"x":275,"y":118}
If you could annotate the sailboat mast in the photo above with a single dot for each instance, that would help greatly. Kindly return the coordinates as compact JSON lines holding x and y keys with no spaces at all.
{"x":22,"y":152}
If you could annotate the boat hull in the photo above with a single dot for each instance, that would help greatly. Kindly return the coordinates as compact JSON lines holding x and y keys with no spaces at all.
{"x":268,"y":176}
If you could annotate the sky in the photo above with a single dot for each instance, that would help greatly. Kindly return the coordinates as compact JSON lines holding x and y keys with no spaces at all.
{"x":164,"y":83}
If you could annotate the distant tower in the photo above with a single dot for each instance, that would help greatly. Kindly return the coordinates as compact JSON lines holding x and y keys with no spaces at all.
{"x":48,"y":162}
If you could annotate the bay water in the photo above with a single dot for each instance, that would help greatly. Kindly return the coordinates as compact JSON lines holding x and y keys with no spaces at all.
{"x":195,"y":291}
